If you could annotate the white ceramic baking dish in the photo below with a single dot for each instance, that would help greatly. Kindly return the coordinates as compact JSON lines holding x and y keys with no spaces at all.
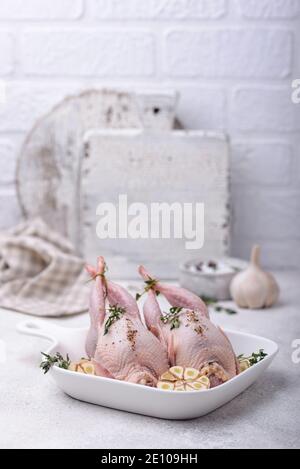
{"x":141,"y":399}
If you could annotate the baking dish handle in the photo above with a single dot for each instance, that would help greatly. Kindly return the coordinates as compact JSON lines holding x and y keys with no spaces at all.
{"x":39,"y":328}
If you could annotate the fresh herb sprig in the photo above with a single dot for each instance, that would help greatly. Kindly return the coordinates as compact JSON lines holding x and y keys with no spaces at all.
{"x":254,"y":358}
{"x":150,"y":283}
{"x":216,"y":306}
{"x":56,"y":359}
{"x":115,"y":313}
{"x":172,"y":317}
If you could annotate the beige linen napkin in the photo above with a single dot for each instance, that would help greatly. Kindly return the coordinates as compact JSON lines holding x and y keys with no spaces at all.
{"x":40,"y":273}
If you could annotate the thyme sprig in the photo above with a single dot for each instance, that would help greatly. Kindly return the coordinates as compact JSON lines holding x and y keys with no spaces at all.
{"x":172,"y":317}
{"x":254,"y":358}
{"x":56,"y":359}
{"x":216,"y":306}
{"x":115,"y":313}
{"x":150,"y":283}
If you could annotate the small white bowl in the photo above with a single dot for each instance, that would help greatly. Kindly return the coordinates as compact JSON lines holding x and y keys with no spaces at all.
{"x":213,"y":284}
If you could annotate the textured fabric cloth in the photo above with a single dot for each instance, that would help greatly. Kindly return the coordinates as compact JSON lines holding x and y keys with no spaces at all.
{"x":40,"y":273}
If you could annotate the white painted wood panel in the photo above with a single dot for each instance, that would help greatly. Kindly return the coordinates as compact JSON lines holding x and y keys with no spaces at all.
{"x":178,"y":166}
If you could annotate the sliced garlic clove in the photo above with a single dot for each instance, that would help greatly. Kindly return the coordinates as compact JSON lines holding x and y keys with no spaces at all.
{"x":179,"y":386}
{"x":195,"y":386}
{"x":83,"y":366}
{"x":181,"y":379}
{"x":168,"y":376}
{"x":177,"y":371}
{"x":83,"y":360}
{"x":73,"y":366}
{"x":244,"y":365}
{"x":80,"y":369}
{"x":88,"y":368}
{"x":204,"y":380}
{"x":190,"y":374}
{"x":165,"y":386}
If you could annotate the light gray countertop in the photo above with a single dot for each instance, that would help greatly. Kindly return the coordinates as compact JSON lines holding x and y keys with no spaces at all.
{"x":34,"y":413}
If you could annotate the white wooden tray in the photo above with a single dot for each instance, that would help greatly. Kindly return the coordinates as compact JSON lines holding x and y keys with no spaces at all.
{"x":178,"y":166}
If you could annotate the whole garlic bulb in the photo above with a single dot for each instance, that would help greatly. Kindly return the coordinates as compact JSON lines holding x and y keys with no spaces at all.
{"x":253,"y":288}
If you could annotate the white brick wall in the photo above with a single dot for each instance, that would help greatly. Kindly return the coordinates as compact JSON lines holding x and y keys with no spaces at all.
{"x":238,"y":53}
{"x":159,"y":9}
{"x":28,"y":100}
{"x":40,"y":9}
{"x":87,"y":53}
{"x":273,"y":9}
{"x":6,"y":53}
{"x":233,"y":61}
{"x":264,"y":109}
{"x":251,"y":162}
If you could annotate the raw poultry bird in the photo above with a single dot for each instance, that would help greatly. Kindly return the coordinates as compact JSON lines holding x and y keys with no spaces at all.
{"x":96,"y":306}
{"x":125,"y":349}
{"x":187,"y":333}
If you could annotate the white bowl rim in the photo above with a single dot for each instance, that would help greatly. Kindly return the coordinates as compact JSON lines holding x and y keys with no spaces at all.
{"x":183,"y":267}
